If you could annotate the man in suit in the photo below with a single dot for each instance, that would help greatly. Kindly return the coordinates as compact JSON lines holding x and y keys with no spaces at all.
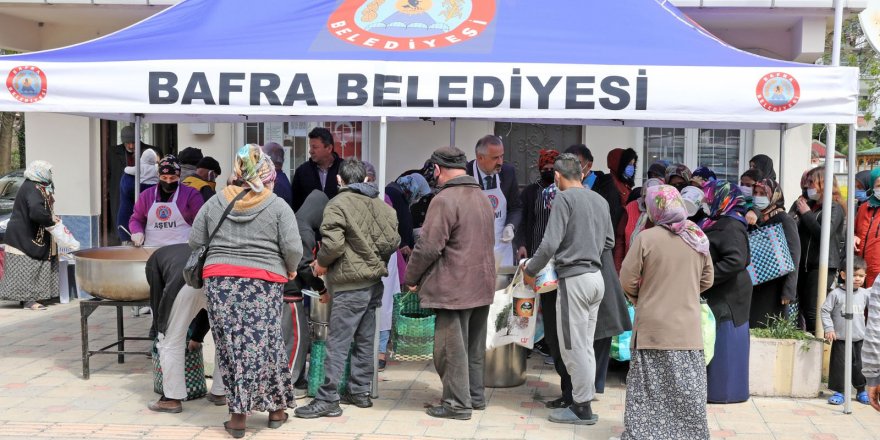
{"x":319,"y":172}
{"x":498,"y":181}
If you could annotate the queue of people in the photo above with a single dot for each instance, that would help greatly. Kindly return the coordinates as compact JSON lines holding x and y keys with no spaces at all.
{"x":445,"y":229}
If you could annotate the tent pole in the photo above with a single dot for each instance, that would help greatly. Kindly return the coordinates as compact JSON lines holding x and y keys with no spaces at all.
{"x":782,"y":130}
{"x":824,"y":244}
{"x":137,"y":156}
{"x":850,"y":232}
{"x":383,"y":155}
{"x":452,"y":132}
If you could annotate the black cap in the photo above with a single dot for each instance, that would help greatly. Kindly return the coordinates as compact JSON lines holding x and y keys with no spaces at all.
{"x":190,"y":156}
{"x":209,"y":163}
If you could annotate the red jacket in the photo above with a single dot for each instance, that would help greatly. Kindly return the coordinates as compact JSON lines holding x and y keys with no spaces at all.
{"x":868,"y":230}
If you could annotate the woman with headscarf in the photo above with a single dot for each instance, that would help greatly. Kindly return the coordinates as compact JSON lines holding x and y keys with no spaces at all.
{"x":401,"y":195}
{"x":764,"y":164}
{"x":867,"y":239}
{"x":663,"y":275}
{"x":163,"y":214}
{"x":771,"y":298}
{"x":678,"y":176}
{"x":251,"y":257}
{"x":701,"y":176}
{"x":637,"y":214}
{"x":420,"y":208}
{"x":536,"y":210}
{"x":615,"y":187}
{"x":863,"y":185}
{"x":31,"y":267}
{"x":730,"y":294}
{"x":807,"y":210}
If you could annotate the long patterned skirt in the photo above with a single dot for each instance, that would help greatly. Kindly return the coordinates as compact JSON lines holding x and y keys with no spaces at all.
{"x":27,"y":279}
{"x":245,"y":317}
{"x":666,"y":396}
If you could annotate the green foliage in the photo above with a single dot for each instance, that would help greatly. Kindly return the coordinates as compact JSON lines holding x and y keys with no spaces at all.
{"x":782,"y":327}
{"x":857,"y":52}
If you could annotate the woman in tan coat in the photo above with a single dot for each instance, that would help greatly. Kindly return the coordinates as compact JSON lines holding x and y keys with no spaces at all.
{"x":663,"y":274}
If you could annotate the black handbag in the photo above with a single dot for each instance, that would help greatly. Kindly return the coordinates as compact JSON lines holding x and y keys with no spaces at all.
{"x":195,"y":265}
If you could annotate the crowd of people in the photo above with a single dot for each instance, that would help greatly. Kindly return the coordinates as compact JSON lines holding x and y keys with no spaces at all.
{"x":443,"y":231}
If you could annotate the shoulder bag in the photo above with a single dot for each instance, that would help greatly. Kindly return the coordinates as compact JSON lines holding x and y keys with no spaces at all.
{"x":195,"y":265}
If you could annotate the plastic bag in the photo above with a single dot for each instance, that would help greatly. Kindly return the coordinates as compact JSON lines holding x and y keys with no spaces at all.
{"x":513,"y":315}
{"x":707,"y":323}
{"x":620,"y":344}
{"x":65,"y":240}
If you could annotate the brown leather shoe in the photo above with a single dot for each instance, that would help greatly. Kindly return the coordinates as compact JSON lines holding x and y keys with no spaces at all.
{"x":166,"y":406}
{"x":216,"y":400}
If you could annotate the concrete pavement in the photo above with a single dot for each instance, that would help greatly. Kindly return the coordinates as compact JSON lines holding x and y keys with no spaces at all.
{"x":43,"y":395}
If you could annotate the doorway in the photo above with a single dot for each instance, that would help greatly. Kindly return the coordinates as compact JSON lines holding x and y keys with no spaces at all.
{"x":523,"y":141}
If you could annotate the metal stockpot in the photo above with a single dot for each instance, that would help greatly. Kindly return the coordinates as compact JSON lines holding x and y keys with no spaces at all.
{"x":114,"y":273}
{"x":319,"y":319}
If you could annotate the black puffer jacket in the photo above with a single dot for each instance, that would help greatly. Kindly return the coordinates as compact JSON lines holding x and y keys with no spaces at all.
{"x":810,"y":233}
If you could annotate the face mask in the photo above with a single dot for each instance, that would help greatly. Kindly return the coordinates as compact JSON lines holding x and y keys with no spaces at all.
{"x":168,"y":187}
{"x":762,"y":202}
{"x":861,"y":195}
{"x":812,"y":194}
{"x":547,"y":177}
{"x":746,"y":190}
{"x":805,"y":193}
{"x":629,"y":171}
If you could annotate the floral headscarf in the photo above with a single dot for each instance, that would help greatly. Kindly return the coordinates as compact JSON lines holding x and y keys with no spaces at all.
{"x":40,"y":171}
{"x":642,"y":221}
{"x":169,"y":166}
{"x":777,"y":199}
{"x":724,"y":199}
{"x":666,"y":209}
{"x":679,"y":170}
{"x":414,"y":187}
{"x":254,"y":167}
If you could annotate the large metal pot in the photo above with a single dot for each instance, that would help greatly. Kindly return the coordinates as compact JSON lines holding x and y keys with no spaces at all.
{"x":114,"y":273}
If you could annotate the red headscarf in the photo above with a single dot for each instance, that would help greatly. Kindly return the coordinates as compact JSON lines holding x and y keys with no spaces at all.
{"x":614,"y":159}
{"x":546,"y":157}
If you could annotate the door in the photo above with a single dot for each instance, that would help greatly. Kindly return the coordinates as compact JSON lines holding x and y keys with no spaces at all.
{"x":523,"y":141}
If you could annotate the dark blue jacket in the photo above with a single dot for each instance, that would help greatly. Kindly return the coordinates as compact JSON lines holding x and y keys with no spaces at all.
{"x":282,"y":187}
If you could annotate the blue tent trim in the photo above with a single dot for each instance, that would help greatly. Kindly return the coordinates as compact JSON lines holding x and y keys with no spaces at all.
{"x":599,"y":32}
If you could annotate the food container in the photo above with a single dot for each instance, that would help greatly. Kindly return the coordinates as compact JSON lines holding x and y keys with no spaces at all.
{"x":115,"y":273}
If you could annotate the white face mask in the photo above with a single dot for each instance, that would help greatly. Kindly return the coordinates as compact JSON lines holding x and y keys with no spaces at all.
{"x":746,"y":190}
{"x":761,"y":202}
{"x":812,"y":194}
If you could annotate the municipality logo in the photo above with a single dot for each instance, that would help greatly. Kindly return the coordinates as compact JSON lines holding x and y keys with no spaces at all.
{"x":163,"y":213}
{"x":410,"y":25}
{"x":27,"y":84}
{"x":778,"y":91}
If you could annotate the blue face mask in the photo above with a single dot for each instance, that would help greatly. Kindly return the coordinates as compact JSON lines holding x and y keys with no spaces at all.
{"x":590,"y":180}
{"x":629,"y":171}
{"x":861,"y":195}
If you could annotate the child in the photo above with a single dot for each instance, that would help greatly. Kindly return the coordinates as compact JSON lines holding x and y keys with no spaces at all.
{"x":835,"y":324}
{"x":149,"y":170}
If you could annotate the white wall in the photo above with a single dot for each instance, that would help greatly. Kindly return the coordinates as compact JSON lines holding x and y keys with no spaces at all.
{"x":601,"y":140}
{"x":410,"y":144}
{"x":71,"y":144}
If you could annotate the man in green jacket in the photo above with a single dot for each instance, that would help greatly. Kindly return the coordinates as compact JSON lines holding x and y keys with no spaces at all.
{"x":358,"y":236}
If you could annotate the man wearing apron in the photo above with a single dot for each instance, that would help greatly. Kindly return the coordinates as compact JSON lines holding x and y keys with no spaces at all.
{"x":498,"y":181}
{"x":163,"y":214}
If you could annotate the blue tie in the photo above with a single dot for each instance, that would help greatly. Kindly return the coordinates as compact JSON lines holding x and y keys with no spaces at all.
{"x":490,"y":182}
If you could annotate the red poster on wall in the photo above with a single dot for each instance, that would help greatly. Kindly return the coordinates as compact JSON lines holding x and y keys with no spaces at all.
{"x":347,"y":138}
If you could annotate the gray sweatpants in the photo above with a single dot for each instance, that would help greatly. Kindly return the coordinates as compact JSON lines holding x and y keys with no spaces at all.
{"x":577,"y":306}
{"x":352,"y":318}
{"x":459,"y":356}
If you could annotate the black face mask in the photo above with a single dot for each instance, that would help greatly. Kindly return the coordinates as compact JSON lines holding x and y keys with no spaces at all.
{"x":168,"y":187}
{"x":547,"y":177}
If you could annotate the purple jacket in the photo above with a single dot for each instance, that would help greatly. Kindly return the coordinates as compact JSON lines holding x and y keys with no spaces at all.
{"x":189,"y":201}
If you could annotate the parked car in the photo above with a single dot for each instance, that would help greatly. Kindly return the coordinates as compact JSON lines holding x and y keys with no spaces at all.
{"x":9,"y":185}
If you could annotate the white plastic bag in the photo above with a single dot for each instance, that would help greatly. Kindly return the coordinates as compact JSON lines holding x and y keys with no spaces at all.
{"x":65,"y":240}
{"x":513,"y":315}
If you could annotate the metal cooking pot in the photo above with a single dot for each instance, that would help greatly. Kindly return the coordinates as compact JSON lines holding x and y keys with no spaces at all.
{"x":115,"y":273}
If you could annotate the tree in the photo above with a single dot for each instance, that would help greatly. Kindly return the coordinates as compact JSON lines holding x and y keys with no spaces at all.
{"x":11,"y":133}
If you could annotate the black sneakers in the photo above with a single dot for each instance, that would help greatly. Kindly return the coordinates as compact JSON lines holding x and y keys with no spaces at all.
{"x":358,"y":400}
{"x":442,"y":412}
{"x":318,"y":408}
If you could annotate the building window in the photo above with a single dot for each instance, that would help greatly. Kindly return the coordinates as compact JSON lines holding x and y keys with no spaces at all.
{"x":721,"y":150}
{"x":664,"y":144}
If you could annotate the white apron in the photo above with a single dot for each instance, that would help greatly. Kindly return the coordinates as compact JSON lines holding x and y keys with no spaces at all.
{"x":503,"y":251}
{"x":165,"y":223}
